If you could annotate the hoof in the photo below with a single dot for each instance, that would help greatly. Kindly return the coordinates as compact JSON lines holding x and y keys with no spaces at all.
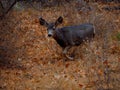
{"x":70,"y":58}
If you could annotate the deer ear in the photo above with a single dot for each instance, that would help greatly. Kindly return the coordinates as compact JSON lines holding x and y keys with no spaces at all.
{"x":42,"y":22}
{"x":59,"y":20}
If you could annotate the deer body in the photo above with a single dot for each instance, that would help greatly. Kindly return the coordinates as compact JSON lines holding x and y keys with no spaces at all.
{"x":69,"y":36}
{"x":73,"y":35}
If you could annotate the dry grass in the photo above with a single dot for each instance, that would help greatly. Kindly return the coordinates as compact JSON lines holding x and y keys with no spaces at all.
{"x":31,"y":61}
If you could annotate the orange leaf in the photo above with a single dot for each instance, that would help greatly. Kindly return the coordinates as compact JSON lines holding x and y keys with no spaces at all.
{"x":105,"y":62}
{"x":67,"y":65}
{"x":80,"y":85}
{"x":100,"y":72}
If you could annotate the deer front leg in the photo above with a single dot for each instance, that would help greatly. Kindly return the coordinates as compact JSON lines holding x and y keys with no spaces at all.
{"x":65,"y":50}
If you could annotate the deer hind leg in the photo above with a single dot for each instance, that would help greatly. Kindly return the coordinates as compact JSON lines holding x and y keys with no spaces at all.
{"x":65,"y":53}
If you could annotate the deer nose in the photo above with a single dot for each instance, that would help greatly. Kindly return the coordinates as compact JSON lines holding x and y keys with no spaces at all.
{"x":49,"y":35}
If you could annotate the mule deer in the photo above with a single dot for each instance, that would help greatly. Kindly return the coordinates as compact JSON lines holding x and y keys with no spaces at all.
{"x":68,"y":36}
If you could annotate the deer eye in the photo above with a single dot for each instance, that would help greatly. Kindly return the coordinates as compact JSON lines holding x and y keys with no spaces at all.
{"x":54,"y":28}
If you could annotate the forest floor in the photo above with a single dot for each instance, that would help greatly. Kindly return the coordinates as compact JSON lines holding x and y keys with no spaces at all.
{"x":29,"y":60}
